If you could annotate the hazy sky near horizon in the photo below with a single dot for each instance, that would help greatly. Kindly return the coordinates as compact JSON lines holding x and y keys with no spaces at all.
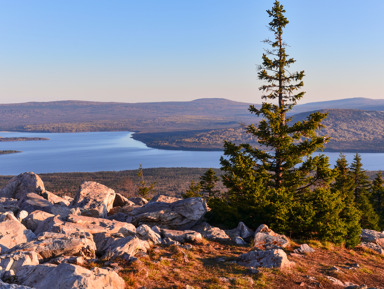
{"x":178,"y":50}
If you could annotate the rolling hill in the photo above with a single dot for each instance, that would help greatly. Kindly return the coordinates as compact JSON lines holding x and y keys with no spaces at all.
{"x":347,"y":103}
{"x":350,"y":131}
{"x":72,"y":116}
{"x":355,"y":124}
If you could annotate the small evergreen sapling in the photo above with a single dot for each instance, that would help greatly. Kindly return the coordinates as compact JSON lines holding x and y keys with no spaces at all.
{"x":205,"y":188}
{"x":208,"y":183}
{"x":194,"y":190}
{"x":143,"y":188}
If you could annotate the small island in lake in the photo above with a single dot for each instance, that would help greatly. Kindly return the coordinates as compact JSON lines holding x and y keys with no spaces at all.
{"x":5,"y":152}
{"x":5,"y":139}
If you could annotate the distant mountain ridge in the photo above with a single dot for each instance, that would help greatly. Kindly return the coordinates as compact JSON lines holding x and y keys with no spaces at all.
{"x":355,"y":124}
{"x":61,"y":116}
{"x":360,"y":103}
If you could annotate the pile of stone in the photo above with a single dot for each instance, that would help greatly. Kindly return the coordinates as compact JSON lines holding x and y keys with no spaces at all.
{"x":48,"y":242}
{"x":267,"y":250}
{"x":373,"y":240}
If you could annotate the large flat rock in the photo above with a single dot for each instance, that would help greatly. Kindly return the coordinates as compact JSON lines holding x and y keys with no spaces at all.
{"x":15,"y":261}
{"x":112,"y":246}
{"x":23,"y":184}
{"x":179,"y":215}
{"x":275,"y":258}
{"x":13,"y":233}
{"x":266,"y":239}
{"x":49,"y":245}
{"x":66,"y":276}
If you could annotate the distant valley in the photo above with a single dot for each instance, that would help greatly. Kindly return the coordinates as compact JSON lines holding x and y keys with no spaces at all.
{"x":355,"y":124}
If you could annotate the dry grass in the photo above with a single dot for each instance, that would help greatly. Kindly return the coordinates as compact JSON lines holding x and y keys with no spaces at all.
{"x":211,"y":265}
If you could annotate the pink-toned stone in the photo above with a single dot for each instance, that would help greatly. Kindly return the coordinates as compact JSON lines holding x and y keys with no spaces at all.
{"x":95,"y":199}
{"x":23,"y":184}
{"x":266,"y":239}
{"x":275,"y":258}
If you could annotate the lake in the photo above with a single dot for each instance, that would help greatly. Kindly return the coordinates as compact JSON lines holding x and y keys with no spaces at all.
{"x":113,"y":151}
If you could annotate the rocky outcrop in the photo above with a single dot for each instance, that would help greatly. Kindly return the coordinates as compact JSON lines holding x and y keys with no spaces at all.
{"x":13,"y":233}
{"x":54,"y":199}
{"x":139,"y":201}
{"x":186,"y":236}
{"x":35,"y":220}
{"x":117,"y":246}
{"x":22,"y":185}
{"x":11,"y":263}
{"x":372,"y":240}
{"x":371,"y":236}
{"x":180,"y":215}
{"x":121,"y":201}
{"x":144,"y":232}
{"x":373,"y":246}
{"x":94,"y":199}
{"x":266,"y":239}
{"x":46,"y":249}
{"x":49,"y":245}
{"x":32,"y":202}
{"x":8,"y":205}
{"x":164,"y":199}
{"x":75,"y":223}
{"x":267,"y":252}
{"x":241,"y":231}
{"x":275,"y":258}
{"x":304,"y":249}
{"x":66,"y":276}
{"x":212,"y":233}
{"x":4,"y":285}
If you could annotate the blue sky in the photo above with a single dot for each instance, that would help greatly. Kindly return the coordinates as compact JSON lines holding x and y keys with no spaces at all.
{"x":177,"y":50}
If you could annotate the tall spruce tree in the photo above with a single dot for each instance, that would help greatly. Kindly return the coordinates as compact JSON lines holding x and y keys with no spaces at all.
{"x":361,"y":190}
{"x":377,"y":198}
{"x":286,"y":158}
{"x":281,"y":183}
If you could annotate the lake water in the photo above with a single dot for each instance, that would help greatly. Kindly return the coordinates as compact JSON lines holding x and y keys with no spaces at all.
{"x":112,"y":151}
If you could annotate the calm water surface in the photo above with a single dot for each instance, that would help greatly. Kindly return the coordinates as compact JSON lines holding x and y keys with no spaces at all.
{"x":112,"y":151}
{"x":91,"y":152}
